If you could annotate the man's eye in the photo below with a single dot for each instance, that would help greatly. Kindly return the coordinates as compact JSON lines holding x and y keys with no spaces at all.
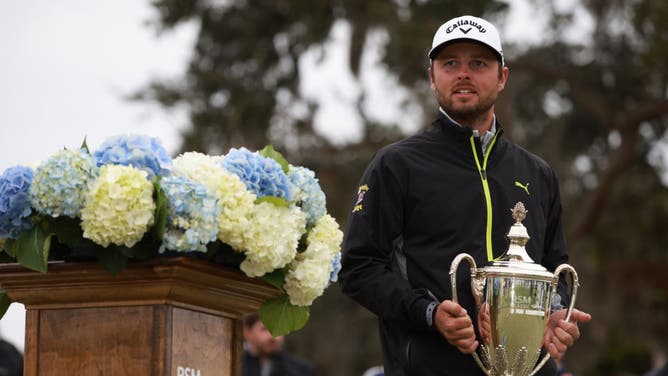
{"x":477,"y":64}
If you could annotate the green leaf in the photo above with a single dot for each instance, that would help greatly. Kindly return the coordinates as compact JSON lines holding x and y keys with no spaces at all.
{"x":269,"y":152}
{"x":127,"y":252}
{"x":161,"y":211}
{"x":275,"y":278}
{"x":276,"y":201}
{"x":113,"y":260}
{"x":5,"y":302}
{"x":141,"y":251}
{"x":281,"y":317}
{"x":11,"y":247}
{"x":303,"y":241}
{"x":33,"y":249}
{"x":84,"y":146}
{"x":68,"y":232}
{"x":6,"y":258}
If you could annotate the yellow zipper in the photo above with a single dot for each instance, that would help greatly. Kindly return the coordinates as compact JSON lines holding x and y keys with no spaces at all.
{"x":482,"y":170}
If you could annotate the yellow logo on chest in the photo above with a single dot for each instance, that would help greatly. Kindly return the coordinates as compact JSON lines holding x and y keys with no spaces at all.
{"x":523,"y":186}
{"x":361,"y":191}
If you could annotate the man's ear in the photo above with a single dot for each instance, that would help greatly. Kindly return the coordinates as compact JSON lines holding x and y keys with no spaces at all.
{"x":431,"y":78}
{"x":246,"y":331}
{"x":503,"y":79}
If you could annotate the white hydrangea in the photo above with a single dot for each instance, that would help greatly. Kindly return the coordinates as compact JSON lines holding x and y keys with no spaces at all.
{"x":272,"y":239}
{"x":309,"y":274}
{"x":119,"y":206}
{"x":327,"y":232}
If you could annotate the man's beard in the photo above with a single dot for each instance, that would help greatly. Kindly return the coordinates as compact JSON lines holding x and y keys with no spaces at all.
{"x":467,"y":115}
{"x":269,"y":349}
{"x":268,"y":353}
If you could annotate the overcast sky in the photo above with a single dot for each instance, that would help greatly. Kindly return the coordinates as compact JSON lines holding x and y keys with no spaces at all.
{"x":66,"y":65}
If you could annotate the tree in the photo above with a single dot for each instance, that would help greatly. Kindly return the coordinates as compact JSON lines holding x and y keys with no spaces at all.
{"x":595,"y":108}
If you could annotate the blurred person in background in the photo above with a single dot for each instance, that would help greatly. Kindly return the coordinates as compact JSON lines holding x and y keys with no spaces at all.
{"x":11,"y":360}
{"x":264,"y":354}
{"x":374,"y":371}
{"x":662,"y":371}
{"x":562,"y":370}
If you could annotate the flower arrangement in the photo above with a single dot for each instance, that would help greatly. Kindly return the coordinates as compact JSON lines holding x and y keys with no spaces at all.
{"x":129,"y":200}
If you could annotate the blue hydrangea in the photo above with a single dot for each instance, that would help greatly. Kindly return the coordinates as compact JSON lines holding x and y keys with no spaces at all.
{"x":142,"y":152}
{"x":262,"y":176}
{"x":192,"y":215}
{"x":336,"y":267}
{"x":307,"y":193}
{"x":61,"y":183}
{"x":15,"y":206}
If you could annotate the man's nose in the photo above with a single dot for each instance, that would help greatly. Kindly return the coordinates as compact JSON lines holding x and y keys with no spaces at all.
{"x":463,"y":72}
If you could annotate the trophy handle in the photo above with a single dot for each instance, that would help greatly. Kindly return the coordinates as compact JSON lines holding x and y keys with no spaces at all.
{"x":453,"y":274}
{"x":475,"y":287}
{"x":574,"y":293}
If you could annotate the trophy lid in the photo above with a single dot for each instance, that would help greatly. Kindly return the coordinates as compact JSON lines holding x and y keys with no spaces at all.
{"x":519,"y":269}
{"x":518,"y":236}
{"x":516,"y":261}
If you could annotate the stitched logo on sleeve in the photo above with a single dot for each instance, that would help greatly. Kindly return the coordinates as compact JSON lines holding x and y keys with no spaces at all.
{"x":361,"y":191}
{"x":523,"y":186}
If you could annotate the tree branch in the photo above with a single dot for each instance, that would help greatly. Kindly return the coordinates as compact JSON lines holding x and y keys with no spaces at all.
{"x":589,"y":98}
{"x":598,"y":199}
{"x":645,"y":113}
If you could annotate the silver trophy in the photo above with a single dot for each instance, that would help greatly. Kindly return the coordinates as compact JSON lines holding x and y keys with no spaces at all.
{"x":513,"y":299}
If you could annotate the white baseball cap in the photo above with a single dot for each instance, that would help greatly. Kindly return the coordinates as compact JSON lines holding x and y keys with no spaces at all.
{"x":467,"y":28}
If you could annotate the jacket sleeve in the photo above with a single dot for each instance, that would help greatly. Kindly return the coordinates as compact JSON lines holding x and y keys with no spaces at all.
{"x":374,"y":230}
{"x":556,"y":252}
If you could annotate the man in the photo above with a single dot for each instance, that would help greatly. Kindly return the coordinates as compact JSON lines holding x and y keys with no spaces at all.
{"x":448,"y":190}
{"x":11,"y":360}
{"x":264,"y":354}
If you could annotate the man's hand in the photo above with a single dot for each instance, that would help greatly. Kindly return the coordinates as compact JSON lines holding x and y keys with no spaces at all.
{"x":456,"y":326}
{"x":560,"y":335}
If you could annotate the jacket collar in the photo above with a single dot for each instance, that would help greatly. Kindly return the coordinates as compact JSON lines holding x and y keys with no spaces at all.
{"x":451,"y":128}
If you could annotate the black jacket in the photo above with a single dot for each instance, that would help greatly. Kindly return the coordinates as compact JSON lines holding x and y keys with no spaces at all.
{"x":283,"y":364}
{"x":11,"y":360}
{"x":421,"y":202}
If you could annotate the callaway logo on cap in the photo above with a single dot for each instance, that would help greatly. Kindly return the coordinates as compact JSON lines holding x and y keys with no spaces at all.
{"x":467,"y":28}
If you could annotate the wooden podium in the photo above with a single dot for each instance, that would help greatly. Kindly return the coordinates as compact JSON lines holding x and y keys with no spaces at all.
{"x":174,"y":316}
